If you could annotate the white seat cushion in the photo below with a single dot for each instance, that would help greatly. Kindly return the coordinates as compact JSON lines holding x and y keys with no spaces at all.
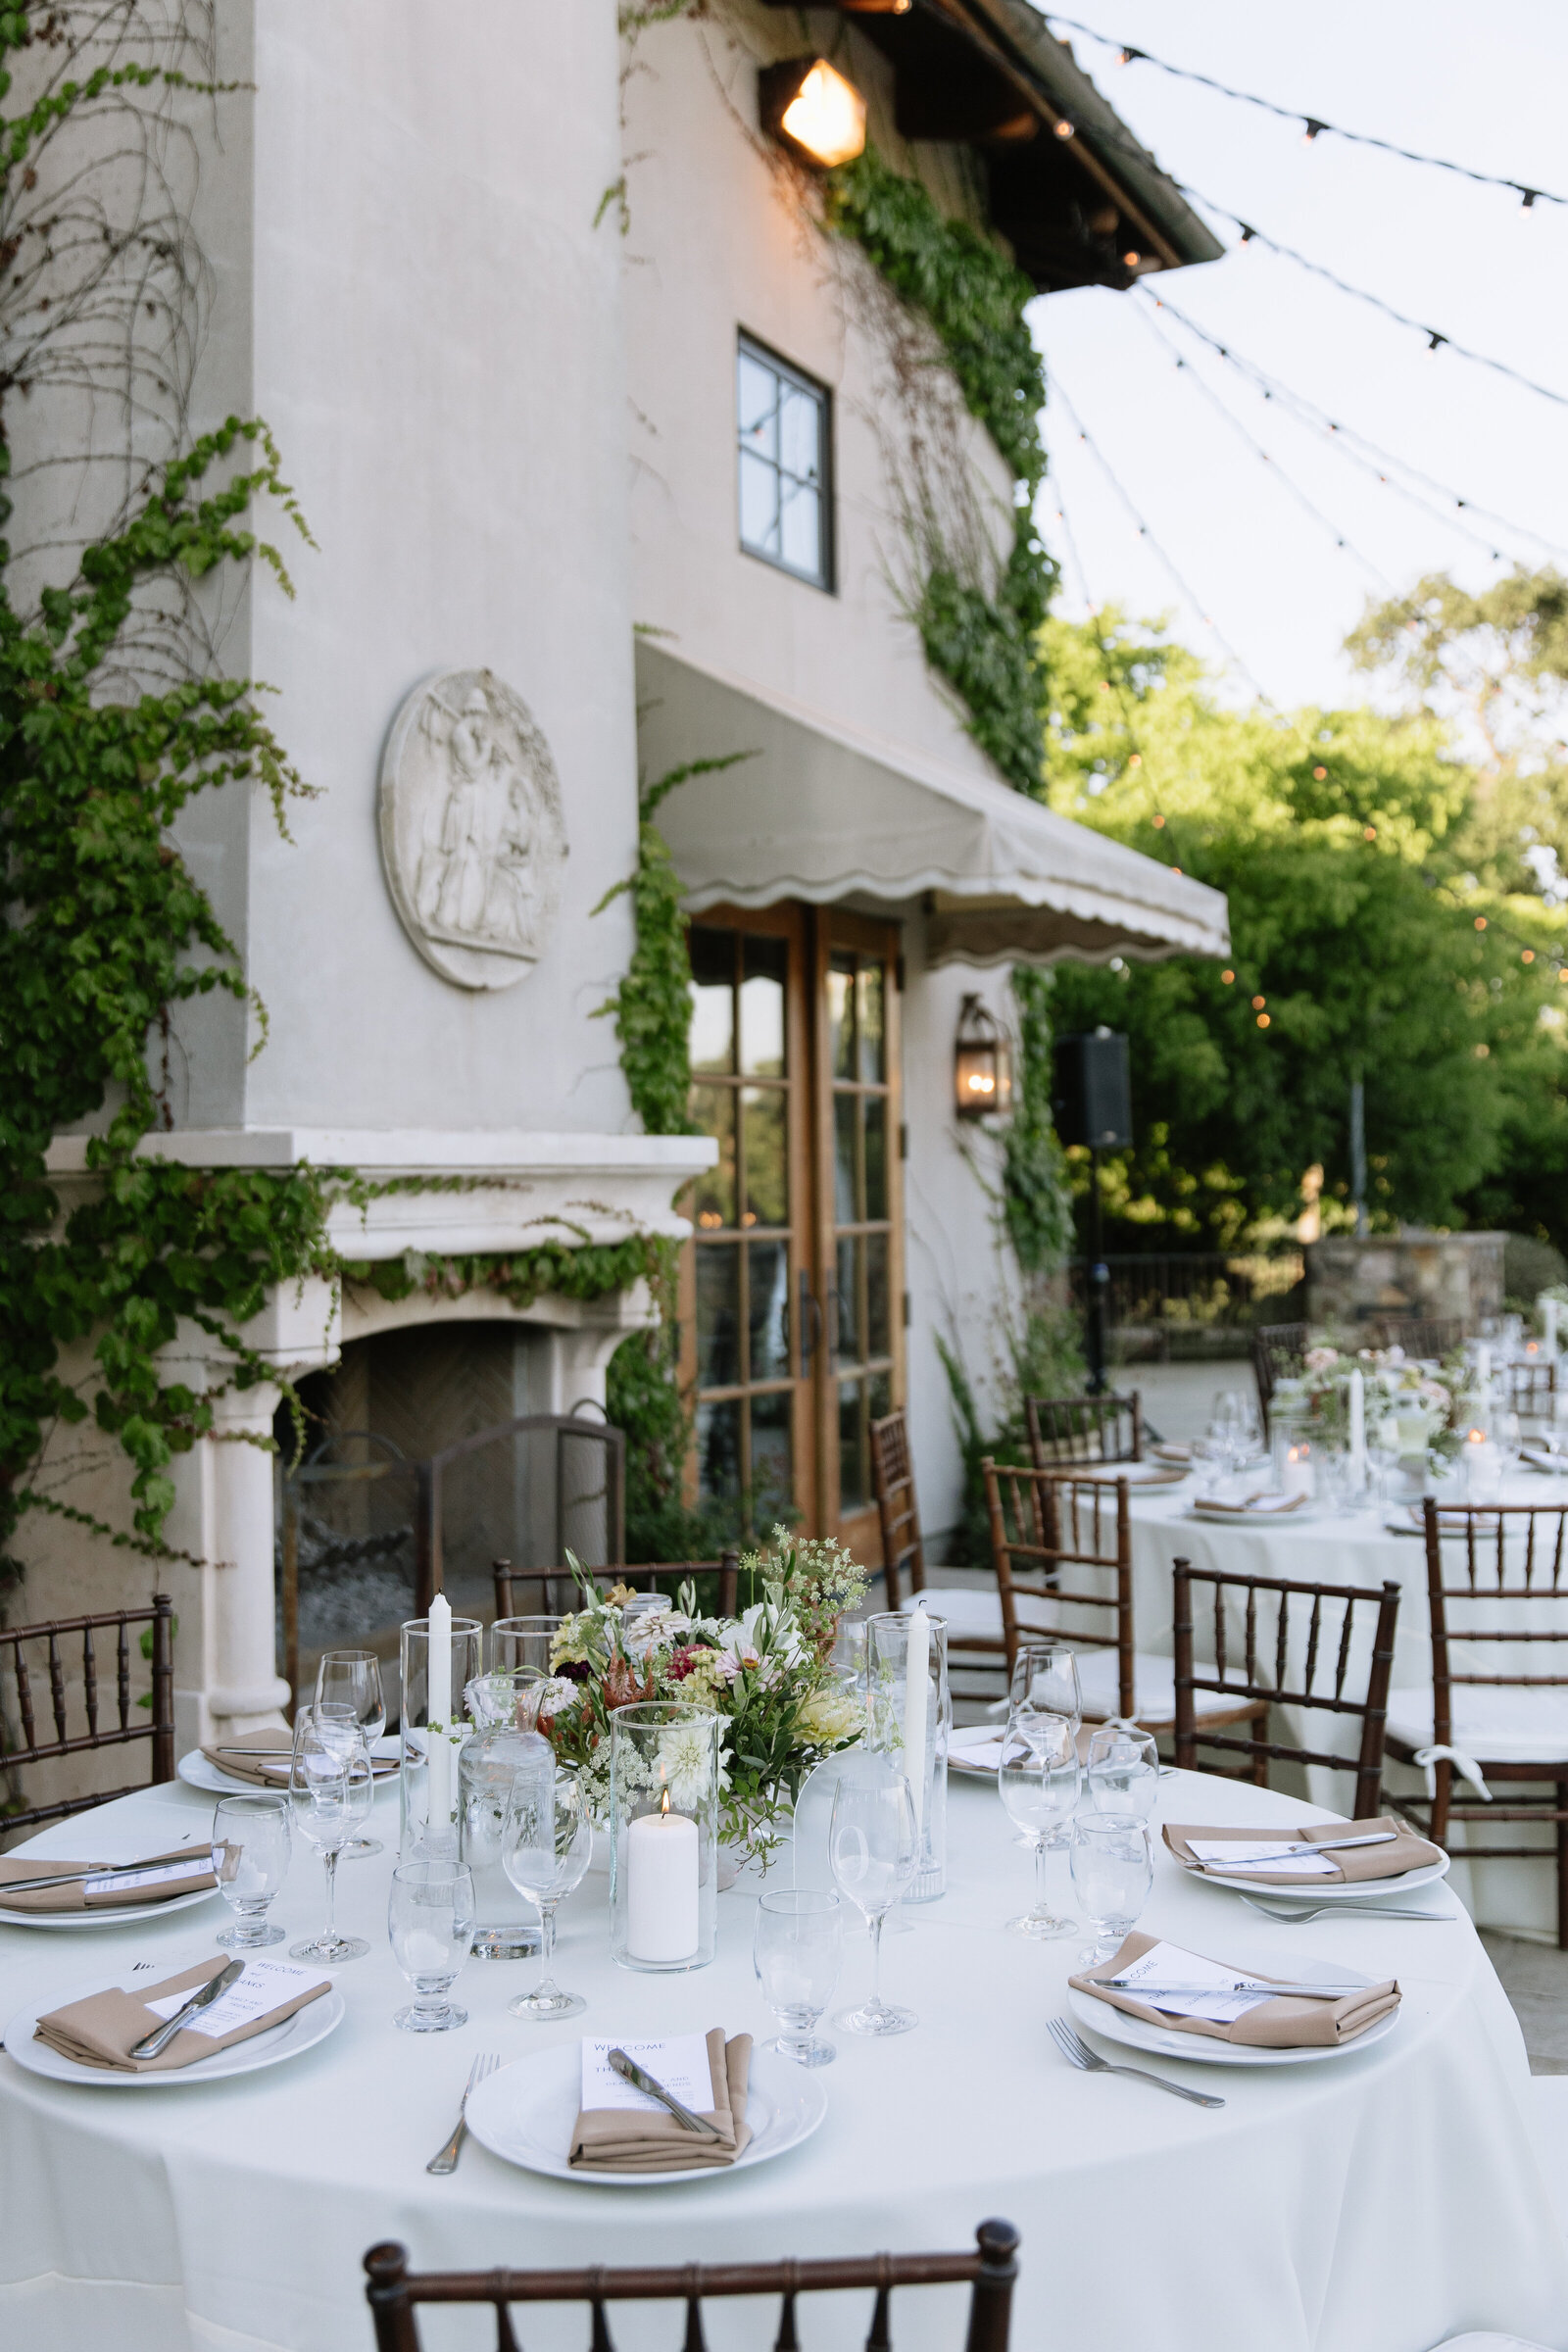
{"x":971,"y":1611}
{"x":1497,"y":1726}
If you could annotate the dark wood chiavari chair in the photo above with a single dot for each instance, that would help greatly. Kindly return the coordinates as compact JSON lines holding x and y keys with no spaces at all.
{"x":1301,"y":1656}
{"x":551,"y":1585}
{"x":1531,"y":1387}
{"x":132,"y":1722}
{"x":1279,"y":1352}
{"x":1515,"y":1558}
{"x":1429,"y":1337}
{"x":893,"y":1481}
{"x":395,"y":2292}
{"x":1067,"y":1430}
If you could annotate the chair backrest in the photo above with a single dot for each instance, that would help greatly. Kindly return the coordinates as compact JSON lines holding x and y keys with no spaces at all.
{"x":893,"y":1480}
{"x":1292,"y":1645}
{"x":1063,"y":1430}
{"x":1279,"y":1351}
{"x":551,"y":1583}
{"x":1531,"y":1387}
{"x":1067,"y":1538}
{"x":394,"y":2291}
{"x":1502,"y":1555}
{"x":1429,"y":1336}
{"x":20,"y":1666}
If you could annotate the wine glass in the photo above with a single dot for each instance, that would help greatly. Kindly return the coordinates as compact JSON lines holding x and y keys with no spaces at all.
{"x":1113,"y":1871}
{"x":1122,"y":1774}
{"x":429,"y":1924}
{"x":1037,"y":1780}
{"x":1044,"y":1682}
{"x":1226,"y":1428}
{"x":545,"y":1840}
{"x":330,"y":1788}
{"x":259,"y":1833}
{"x":872,"y":1847}
{"x":352,"y":1678}
{"x":797,"y":1950}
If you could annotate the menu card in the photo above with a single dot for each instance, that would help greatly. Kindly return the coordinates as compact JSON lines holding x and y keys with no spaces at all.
{"x":1251,"y":1853}
{"x":1191,"y":1986}
{"x":679,"y":2062}
{"x":266,"y":1985}
{"x":125,"y":1882}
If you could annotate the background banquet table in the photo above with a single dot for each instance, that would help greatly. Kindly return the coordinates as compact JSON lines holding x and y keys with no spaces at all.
{"x":1347,"y":1548}
{"x":1375,"y":2202}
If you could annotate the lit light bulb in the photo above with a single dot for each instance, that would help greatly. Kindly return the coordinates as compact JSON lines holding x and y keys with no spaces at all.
{"x":826,"y":116}
{"x":1227,"y":977}
{"x":1064,"y":129}
{"x":1132,"y":260}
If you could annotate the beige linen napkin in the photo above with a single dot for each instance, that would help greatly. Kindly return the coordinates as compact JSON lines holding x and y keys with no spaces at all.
{"x":629,"y":2139}
{"x":1358,"y":1863}
{"x":270,"y":1753}
{"x":1253,"y":1506}
{"x":101,"y":2030}
{"x":73,"y":1896}
{"x":1293,"y":2022}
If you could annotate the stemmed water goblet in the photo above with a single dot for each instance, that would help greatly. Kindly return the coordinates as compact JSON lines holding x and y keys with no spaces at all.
{"x":1122,"y":1774}
{"x":429,"y":1924}
{"x":1037,"y":1780}
{"x":260,"y":1834}
{"x":873,"y":1847}
{"x":352,"y":1678}
{"x":1113,"y":1871}
{"x":1044,"y":1682}
{"x":797,"y":1951}
{"x":546,"y":1842}
{"x":330,"y":1788}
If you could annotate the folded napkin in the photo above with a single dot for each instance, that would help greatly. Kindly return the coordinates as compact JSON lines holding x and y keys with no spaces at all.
{"x":101,"y":2030}
{"x":1282,"y":2022}
{"x":188,"y":1870}
{"x":1355,"y":1862}
{"x":263,"y":1759}
{"x":1172,"y":1449}
{"x":1257,"y":1507}
{"x":646,"y":2140}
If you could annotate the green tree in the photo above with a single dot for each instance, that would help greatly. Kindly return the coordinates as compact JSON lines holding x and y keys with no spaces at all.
{"x":1363,"y":945}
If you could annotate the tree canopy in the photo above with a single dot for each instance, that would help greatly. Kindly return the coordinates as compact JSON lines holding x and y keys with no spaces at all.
{"x":1367,"y":943}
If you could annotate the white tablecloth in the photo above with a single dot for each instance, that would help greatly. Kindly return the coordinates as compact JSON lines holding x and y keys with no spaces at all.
{"x":1377,"y":2202}
{"x":1351,"y":1548}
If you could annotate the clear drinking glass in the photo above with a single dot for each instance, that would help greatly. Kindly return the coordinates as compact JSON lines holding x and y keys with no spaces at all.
{"x":872,"y":1847}
{"x":518,"y":1643}
{"x":330,"y":1788}
{"x":429,"y":1923}
{"x":797,"y":1951}
{"x":1045,"y":1681}
{"x":545,"y":1846}
{"x":1113,"y":1871}
{"x":1037,"y":1780}
{"x":1122,"y":1775}
{"x":1507,"y":1439}
{"x":260,"y":1828}
{"x":352,"y":1678}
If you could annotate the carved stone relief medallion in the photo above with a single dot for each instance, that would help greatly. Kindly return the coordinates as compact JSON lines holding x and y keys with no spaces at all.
{"x":473,"y":836}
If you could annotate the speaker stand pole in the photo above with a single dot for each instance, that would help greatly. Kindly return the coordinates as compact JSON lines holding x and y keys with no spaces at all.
{"x":1099,"y":1278}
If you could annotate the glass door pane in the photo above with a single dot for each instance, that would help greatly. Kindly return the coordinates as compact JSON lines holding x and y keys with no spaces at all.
{"x":858,"y":1107}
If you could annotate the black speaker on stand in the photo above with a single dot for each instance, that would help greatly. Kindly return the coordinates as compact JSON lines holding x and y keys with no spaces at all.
{"x":1093,"y":1106}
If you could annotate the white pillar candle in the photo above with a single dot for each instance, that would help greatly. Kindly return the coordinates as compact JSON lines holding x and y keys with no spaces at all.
{"x":437,"y":1713}
{"x":1358,"y":1422}
{"x":1298,"y":1471}
{"x":916,"y":1700}
{"x":662,"y":1886}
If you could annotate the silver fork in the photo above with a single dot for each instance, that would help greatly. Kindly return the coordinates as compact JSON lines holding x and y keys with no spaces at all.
{"x":1289,"y":1918}
{"x":1078,"y":2053}
{"x":447,"y":2161}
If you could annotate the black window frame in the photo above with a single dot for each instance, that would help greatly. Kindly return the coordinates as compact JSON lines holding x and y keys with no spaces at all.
{"x":826,"y":582}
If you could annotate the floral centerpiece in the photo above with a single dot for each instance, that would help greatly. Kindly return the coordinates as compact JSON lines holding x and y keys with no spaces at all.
{"x":1398,"y":1389}
{"x":767,"y":1674}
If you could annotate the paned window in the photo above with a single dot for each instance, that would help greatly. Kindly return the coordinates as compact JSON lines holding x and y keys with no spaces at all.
{"x":782,"y":420}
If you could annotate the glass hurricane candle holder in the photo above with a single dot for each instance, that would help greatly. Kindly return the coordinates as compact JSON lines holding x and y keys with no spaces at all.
{"x":912,"y":1715}
{"x":423,"y":1828}
{"x":506,"y":1924}
{"x":664,"y":1759}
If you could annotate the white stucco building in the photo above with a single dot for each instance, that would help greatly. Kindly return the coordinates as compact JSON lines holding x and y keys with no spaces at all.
{"x":512,"y":297}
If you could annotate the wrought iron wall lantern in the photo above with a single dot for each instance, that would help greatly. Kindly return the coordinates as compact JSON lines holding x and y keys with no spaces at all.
{"x":982,"y":1064}
{"x":810,"y":109}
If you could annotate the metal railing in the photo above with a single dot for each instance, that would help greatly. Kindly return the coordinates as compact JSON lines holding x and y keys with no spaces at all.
{"x":1175,"y":1304}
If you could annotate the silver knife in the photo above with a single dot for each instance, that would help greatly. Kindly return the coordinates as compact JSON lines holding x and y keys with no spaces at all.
{"x":95,"y":1869}
{"x":152,"y":2045}
{"x":1195,"y":1992}
{"x":630,"y":2071}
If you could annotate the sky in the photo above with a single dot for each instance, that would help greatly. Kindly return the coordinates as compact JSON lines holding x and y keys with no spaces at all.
{"x":1484,"y":86}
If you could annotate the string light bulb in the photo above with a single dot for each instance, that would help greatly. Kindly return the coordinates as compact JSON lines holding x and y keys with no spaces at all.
{"x":1527,"y":955}
{"x":1064,"y":129}
{"x":1320,"y":773}
{"x":1480,"y":922}
{"x":1262,"y":1020}
{"x":1227,"y":978}
{"x":1131,"y":261}
{"x":1313,"y":126}
{"x":1258,"y":1004}
{"x":1158,"y":822}
{"x":1369,"y":832}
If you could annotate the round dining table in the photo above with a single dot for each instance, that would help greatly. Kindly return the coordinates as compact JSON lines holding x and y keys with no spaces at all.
{"x":1378,"y":2201}
{"x":1368,"y":1546}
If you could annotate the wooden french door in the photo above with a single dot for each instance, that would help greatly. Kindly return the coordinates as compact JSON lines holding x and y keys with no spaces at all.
{"x":792,"y":1338}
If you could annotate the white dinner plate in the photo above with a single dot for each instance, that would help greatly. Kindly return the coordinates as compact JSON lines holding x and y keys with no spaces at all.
{"x":1332,"y":1891}
{"x":1115,"y":2025}
{"x":200,"y":1771}
{"x":962,"y":1744}
{"x":527,"y":2113}
{"x":1220,"y":1517}
{"x":1137,"y":1474}
{"x":109,"y":1850}
{"x":296,"y":2034}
